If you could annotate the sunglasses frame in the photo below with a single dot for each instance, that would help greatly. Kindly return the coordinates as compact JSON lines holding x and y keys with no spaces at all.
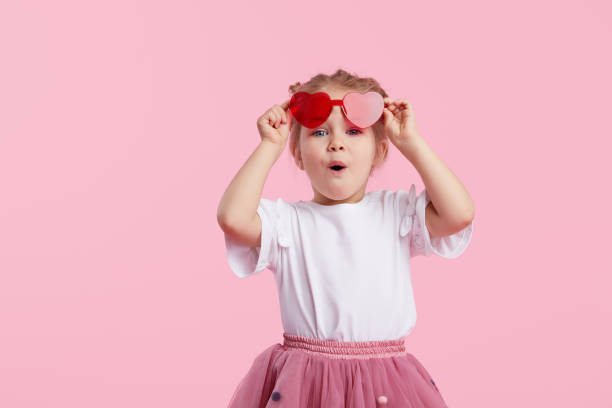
{"x":332,"y":103}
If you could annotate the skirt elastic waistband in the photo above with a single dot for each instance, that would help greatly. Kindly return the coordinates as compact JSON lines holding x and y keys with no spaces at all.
{"x":346,"y":349}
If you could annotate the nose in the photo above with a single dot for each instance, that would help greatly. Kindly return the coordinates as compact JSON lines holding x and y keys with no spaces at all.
{"x":336,"y":140}
{"x":336,"y":144}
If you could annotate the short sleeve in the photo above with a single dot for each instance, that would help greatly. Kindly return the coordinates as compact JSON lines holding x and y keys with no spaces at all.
{"x":245,"y":260}
{"x":413,"y":228}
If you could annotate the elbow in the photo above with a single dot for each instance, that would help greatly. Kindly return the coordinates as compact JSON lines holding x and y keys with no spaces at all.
{"x":469,"y":218}
{"x":229,"y":223}
{"x":222,"y":220}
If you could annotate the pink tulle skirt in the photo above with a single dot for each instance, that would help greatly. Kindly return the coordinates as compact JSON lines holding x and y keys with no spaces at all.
{"x":312,"y":373}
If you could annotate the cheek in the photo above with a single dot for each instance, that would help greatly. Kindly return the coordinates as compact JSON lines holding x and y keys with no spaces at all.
{"x":365,"y":148}
{"x":311,"y":157}
{"x":310,"y":150}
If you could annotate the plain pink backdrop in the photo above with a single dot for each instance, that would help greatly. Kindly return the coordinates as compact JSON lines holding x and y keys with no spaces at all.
{"x":122,"y":123}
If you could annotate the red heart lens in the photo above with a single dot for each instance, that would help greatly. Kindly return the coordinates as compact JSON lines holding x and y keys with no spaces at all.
{"x":311,"y":110}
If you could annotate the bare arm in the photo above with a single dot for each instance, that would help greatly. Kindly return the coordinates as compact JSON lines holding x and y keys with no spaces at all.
{"x":237,"y":211}
{"x":238,"y":206}
{"x":451,"y":207}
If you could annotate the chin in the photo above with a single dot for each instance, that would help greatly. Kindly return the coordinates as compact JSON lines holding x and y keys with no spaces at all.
{"x":338,"y":194}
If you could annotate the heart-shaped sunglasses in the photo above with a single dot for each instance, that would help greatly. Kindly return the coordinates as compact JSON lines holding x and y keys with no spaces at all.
{"x":311,"y":110}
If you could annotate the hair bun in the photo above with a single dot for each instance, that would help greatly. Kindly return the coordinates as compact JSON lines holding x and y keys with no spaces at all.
{"x":293,"y":88}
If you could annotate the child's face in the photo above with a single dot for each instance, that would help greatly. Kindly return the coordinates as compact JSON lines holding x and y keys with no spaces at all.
{"x":337,"y":139}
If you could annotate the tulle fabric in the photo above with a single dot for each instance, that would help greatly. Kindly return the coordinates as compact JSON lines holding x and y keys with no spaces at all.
{"x":314,"y":373}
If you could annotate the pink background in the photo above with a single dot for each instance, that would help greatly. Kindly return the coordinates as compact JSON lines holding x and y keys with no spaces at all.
{"x":122,"y":123}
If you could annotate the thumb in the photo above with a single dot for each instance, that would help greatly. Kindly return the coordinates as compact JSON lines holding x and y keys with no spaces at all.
{"x":285,"y":106}
{"x":387,"y":116}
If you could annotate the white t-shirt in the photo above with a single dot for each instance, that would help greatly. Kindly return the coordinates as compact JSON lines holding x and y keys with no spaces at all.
{"x":343,"y":271}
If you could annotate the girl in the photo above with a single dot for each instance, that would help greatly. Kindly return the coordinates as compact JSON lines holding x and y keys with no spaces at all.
{"x":342,"y":260}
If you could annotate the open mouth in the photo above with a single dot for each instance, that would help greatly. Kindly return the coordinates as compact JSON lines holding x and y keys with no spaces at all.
{"x":337,"y":170}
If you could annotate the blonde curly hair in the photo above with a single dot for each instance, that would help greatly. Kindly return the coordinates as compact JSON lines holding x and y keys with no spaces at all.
{"x":343,"y":80}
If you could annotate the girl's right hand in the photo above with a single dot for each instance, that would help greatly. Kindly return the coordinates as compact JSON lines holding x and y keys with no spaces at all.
{"x":275,"y":123}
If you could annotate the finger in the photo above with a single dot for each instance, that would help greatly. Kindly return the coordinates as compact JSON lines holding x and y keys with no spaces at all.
{"x":285,"y":104}
{"x":282,"y":114}
{"x":272,"y":117}
{"x":279,"y":115}
{"x":409,"y":108}
{"x":388,"y":117}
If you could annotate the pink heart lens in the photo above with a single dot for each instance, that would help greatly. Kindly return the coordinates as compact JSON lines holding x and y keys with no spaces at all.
{"x":363,"y":109}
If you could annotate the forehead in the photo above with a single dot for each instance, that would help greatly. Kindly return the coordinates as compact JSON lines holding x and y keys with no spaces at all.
{"x":335,"y":93}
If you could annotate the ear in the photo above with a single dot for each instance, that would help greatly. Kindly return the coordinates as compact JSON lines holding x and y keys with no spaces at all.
{"x":297,"y":157}
{"x":381,"y":148}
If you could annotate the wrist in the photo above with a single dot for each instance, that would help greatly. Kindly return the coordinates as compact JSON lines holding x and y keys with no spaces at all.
{"x":271,"y":146}
{"x":410,"y":149}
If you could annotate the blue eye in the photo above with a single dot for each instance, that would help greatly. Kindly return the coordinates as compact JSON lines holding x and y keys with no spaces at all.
{"x":321,"y":130}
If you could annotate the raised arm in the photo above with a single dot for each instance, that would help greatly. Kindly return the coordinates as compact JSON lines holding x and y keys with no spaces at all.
{"x":451,"y":208}
{"x":237,"y":211}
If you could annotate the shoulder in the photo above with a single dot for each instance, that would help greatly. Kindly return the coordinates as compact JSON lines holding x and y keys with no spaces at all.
{"x":271,"y":210}
{"x":400,"y":198}
{"x":276,"y":204}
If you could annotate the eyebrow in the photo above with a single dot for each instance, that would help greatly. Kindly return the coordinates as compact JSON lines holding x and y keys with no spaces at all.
{"x":346,"y":121}
{"x":343,"y":117}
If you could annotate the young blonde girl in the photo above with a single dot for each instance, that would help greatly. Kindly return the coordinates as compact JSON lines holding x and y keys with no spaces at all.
{"x":342,"y":260}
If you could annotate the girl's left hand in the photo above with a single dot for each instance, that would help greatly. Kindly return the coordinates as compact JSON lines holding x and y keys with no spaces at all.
{"x":399,"y":121}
